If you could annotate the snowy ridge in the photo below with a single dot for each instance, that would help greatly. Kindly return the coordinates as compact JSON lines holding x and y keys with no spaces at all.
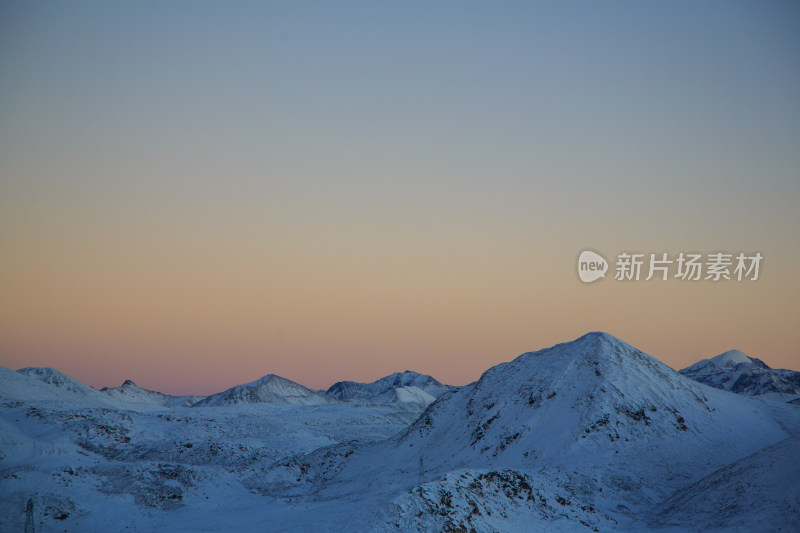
{"x":48,"y":384}
{"x":131,"y":392}
{"x":268,"y":389}
{"x":51,"y":376}
{"x":399,"y":387}
{"x":734,"y":371}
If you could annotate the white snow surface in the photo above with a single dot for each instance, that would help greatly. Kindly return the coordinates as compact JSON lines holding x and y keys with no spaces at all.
{"x":591,"y":435}
{"x":758,"y":493}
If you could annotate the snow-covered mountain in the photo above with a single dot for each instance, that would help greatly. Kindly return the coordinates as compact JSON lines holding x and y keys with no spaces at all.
{"x":594,"y":422}
{"x":52,"y":376}
{"x":48,"y":384}
{"x":269,"y":389}
{"x":399,"y":387}
{"x":589,"y":435}
{"x":131,"y":392}
{"x":734,"y":371}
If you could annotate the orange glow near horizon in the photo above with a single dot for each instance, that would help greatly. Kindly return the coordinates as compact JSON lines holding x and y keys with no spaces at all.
{"x":200,"y":324}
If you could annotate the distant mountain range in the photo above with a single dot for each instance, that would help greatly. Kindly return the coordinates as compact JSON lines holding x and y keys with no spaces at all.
{"x":732,"y":371}
{"x":736,"y":372}
{"x":400,"y":387}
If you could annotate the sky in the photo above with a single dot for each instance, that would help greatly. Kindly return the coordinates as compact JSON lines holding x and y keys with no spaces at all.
{"x":195,"y":194}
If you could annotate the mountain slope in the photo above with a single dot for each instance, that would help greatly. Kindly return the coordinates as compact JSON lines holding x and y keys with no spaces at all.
{"x":734,"y":371}
{"x":395,"y":388}
{"x":758,"y":493}
{"x":268,"y":389}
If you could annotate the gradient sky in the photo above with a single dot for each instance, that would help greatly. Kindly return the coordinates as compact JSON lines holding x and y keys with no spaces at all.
{"x":195,"y":194}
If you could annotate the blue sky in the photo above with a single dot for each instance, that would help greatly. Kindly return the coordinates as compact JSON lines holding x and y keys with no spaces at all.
{"x":283,"y":153}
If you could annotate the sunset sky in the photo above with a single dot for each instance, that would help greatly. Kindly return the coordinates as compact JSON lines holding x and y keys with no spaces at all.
{"x":195,"y":194}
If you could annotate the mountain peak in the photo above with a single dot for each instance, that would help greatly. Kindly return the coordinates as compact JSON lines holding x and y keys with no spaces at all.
{"x":727,"y":361}
{"x":131,"y":392}
{"x":595,"y":341}
{"x":596,"y":348}
{"x":602,"y":385}
{"x":599,"y":335}
{"x":268,"y":389}
{"x":399,"y":387}
{"x":736,"y":372}
{"x":264,"y":380}
{"x":730,"y":359}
